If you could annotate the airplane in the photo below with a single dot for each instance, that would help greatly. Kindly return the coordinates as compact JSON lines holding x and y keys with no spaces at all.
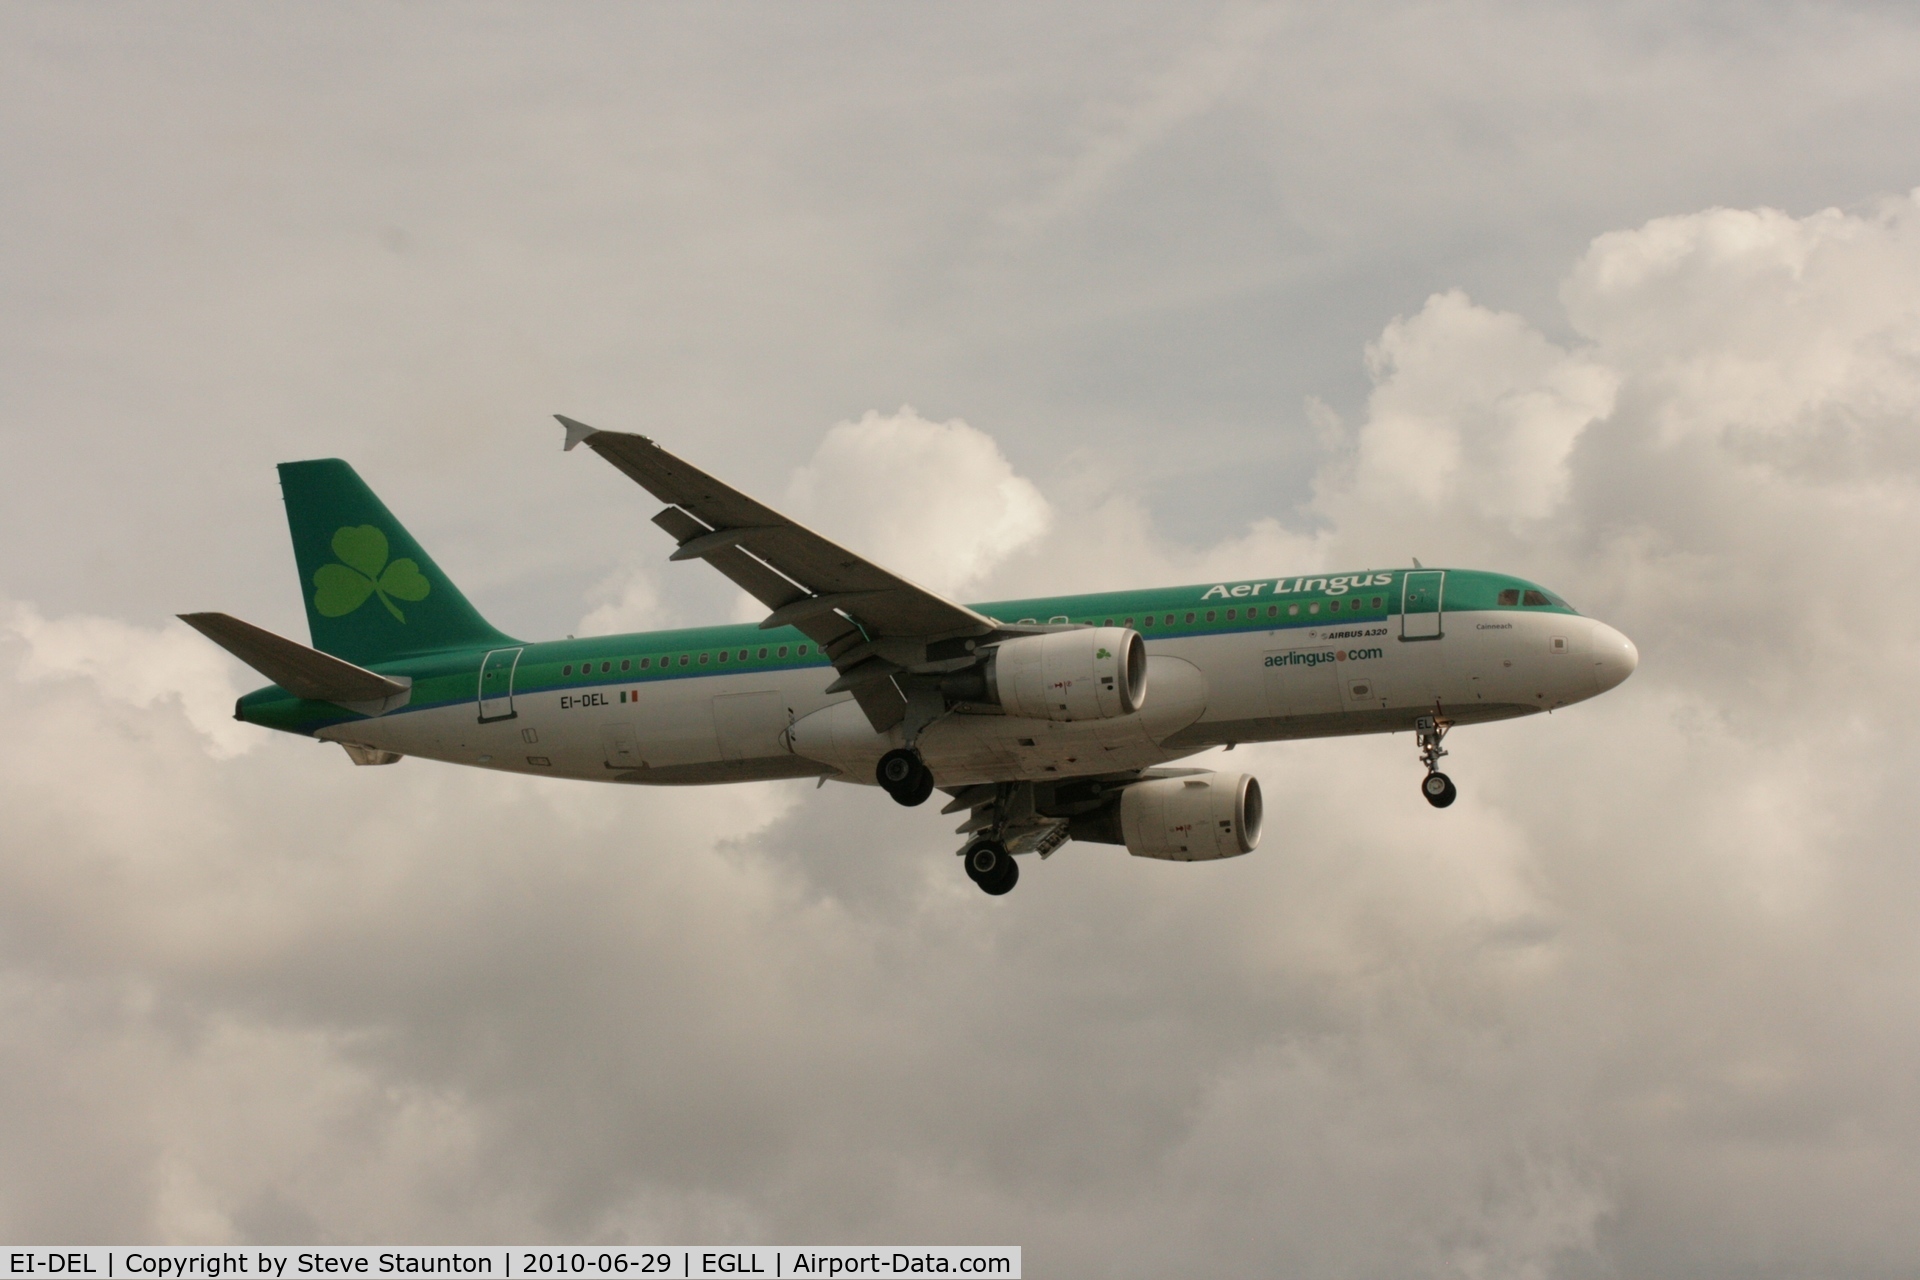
{"x":1042,"y":720}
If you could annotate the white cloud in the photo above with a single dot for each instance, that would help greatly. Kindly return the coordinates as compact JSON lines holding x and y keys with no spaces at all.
{"x":138,"y":666}
{"x":1793,"y":336}
{"x":628,"y":601}
{"x":934,"y":501}
{"x":1476,"y":409}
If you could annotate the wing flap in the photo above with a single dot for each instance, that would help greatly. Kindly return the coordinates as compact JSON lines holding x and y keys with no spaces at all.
{"x":884,"y":704}
{"x":763,"y":583}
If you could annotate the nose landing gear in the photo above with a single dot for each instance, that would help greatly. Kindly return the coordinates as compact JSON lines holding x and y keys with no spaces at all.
{"x":1437,"y":787}
{"x":905,"y":776}
{"x":1439,"y":790}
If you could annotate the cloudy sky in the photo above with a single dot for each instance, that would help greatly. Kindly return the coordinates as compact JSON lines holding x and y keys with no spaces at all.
{"x":1625,"y":299}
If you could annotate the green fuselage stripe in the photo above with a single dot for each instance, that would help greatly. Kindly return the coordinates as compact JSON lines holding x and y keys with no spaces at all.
{"x":452,"y":676}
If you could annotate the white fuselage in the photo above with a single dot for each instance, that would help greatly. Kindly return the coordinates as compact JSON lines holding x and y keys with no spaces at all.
{"x":1202,"y":691}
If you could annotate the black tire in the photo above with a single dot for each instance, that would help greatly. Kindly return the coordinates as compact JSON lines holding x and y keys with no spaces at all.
{"x":898,"y":770}
{"x":985,"y":858}
{"x":918,"y":791}
{"x":1439,"y":790}
{"x":1003,"y":879}
{"x":999,"y":873}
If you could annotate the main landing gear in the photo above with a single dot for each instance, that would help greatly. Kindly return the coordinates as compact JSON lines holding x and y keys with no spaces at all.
{"x":905,"y":776}
{"x":990,"y":866}
{"x":1437,"y":787}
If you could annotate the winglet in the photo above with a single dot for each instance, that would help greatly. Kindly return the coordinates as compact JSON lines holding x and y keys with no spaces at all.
{"x":576,"y":431}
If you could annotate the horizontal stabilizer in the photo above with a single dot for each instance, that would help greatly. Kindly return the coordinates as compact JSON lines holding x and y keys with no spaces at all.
{"x":303,"y":672}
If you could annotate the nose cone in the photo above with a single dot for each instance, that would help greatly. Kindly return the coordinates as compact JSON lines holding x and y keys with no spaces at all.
{"x":1614,"y":657}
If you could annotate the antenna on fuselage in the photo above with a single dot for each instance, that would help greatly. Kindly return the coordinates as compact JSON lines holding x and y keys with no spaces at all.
{"x":1417,"y":564}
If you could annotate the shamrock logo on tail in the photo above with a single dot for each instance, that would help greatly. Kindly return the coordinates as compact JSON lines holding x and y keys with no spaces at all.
{"x":365,"y":571}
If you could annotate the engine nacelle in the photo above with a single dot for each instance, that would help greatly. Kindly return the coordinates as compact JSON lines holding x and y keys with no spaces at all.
{"x":1093,"y":673}
{"x":1196,"y":818}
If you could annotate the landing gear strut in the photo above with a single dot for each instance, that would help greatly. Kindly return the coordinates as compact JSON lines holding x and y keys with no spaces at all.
{"x":990,"y":866}
{"x":1437,"y":787}
{"x":905,"y":776}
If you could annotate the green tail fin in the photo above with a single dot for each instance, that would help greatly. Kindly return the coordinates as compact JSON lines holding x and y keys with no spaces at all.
{"x":372,"y":594}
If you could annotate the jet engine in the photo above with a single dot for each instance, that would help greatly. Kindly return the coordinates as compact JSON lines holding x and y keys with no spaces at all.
{"x":1190,"y":818}
{"x":1090,"y":673}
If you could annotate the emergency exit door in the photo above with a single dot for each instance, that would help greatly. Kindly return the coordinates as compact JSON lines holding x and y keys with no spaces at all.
{"x":1420,"y":604}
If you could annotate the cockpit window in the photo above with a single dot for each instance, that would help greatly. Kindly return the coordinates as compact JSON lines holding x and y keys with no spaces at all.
{"x":1510,"y":596}
{"x":1537,"y":597}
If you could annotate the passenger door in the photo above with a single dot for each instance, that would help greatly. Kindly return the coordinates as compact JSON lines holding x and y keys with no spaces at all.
{"x":1420,"y":604}
{"x":496,"y":685}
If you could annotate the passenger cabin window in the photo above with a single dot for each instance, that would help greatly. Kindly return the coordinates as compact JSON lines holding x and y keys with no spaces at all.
{"x":1536,"y":597}
{"x":1189,"y":617}
{"x":1210,"y":615}
{"x":645,"y":663}
{"x":1273,"y":611}
{"x":783,"y":651}
{"x":1510,"y":596}
{"x":1146,"y":622}
{"x":1293,"y":610}
{"x":1333,"y":605}
{"x":626,"y":664}
{"x":1231,"y":613}
{"x":567,"y":670}
{"x":723,"y":655}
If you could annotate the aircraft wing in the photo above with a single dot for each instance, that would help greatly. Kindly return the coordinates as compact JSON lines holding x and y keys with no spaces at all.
{"x":873,"y":624}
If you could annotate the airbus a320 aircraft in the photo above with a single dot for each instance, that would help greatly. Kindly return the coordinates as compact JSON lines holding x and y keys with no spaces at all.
{"x":1043,"y":720}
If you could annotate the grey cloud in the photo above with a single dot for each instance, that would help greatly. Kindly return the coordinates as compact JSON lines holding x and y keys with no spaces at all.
{"x":1637,"y":1005}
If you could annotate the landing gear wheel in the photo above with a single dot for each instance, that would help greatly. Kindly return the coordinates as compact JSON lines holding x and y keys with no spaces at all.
{"x":1003,"y":880}
{"x":919,"y":791}
{"x":990,"y":866}
{"x":1428,"y":731}
{"x":905,"y":776}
